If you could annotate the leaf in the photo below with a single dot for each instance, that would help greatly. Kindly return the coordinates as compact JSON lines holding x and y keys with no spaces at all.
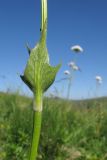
{"x":38,"y":74}
{"x":48,"y":75}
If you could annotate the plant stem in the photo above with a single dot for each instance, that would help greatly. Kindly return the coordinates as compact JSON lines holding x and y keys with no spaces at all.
{"x":69,"y":89}
{"x":38,"y":101}
{"x":44,"y":12}
{"x":36,"y":126}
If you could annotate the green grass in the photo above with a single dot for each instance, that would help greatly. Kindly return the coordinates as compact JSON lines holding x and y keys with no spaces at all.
{"x":74,"y":130}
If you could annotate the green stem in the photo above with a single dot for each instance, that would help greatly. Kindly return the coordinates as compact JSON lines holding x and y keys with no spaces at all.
{"x":36,"y":126}
{"x":38,"y":101}
{"x":44,"y":12}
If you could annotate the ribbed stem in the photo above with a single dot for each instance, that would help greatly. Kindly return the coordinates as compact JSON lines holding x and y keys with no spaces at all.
{"x":36,"y":126}
{"x":44,"y":12}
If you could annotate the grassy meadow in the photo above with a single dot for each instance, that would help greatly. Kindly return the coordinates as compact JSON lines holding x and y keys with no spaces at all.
{"x":71,"y":130}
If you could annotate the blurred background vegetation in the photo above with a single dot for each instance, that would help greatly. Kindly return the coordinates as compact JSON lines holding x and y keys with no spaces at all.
{"x":71,"y":130}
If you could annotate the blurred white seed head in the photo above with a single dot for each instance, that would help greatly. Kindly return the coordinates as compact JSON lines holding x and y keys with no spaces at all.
{"x":75,"y":68}
{"x":66,"y":72}
{"x":77,"y":48}
{"x":99,"y":79}
{"x":71,"y":64}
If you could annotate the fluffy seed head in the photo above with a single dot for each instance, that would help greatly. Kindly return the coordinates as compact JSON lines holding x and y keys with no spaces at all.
{"x":99,"y":79}
{"x":66,"y":72}
{"x":75,"y":68}
{"x":71,"y":64}
{"x":77,"y":48}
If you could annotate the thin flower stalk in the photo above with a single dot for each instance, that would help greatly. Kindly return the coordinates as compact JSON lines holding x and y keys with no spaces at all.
{"x":99,"y":81}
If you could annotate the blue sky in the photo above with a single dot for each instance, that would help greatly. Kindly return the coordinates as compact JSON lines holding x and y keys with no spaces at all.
{"x":70,"y":22}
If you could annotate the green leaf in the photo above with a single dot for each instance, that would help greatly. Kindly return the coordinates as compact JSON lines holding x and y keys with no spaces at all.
{"x":48,"y":75}
{"x":38,"y":74}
